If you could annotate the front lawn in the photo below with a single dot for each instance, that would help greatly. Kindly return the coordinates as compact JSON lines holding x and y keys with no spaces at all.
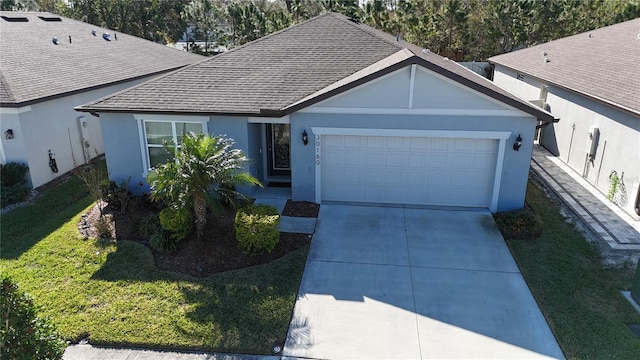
{"x":579,"y":297}
{"x":113,"y":293}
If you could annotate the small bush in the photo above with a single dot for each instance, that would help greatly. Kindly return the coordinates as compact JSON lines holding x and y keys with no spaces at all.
{"x":13,"y":194}
{"x":519,"y":224}
{"x":177,"y":222}
{"x":148,"y":226}
{"x":118,"y":196}
{"x":257,"y":228}
{"x":104,"y":227}
{"x":13,"y":173}
{"x":13,"y":185}
{"x":162,"y":241}
{"x":24,"y":335}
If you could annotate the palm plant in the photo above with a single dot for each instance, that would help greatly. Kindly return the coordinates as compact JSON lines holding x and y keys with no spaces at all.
{"x":204,"y":174}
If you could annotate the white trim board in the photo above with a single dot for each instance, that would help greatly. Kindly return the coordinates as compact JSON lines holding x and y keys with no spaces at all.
{"x":501,"y":136}
{"x":171,"y":118}
{"x":5,"y":110}
{"x":264,"y":120}
{"x":405,"y":111}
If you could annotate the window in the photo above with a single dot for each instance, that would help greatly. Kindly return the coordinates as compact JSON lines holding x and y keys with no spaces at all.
{"x":159,"y":132}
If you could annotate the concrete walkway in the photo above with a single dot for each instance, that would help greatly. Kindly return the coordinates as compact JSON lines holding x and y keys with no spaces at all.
{"x":398,"y":283}
{"x":617,"y":228}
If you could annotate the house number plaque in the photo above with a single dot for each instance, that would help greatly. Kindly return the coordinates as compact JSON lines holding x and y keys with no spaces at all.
{"x":317,"y":149}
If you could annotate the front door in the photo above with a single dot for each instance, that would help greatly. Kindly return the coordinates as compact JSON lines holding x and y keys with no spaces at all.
{"x":278,"y":159}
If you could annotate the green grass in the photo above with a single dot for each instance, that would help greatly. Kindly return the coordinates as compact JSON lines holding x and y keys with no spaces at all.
{"x":579,"y":296}
{"x":113,"y":291}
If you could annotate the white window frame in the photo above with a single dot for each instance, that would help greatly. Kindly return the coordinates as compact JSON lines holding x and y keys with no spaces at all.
{"x":144,"y":147}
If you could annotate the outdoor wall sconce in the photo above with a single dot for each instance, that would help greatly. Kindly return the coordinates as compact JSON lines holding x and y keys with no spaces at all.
{"x":518,"y":143}
{"x":8,"y":134}
{"x":305,"y":138}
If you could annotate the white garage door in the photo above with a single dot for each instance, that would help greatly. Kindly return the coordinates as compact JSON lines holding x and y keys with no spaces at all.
{"x":408,"y":170}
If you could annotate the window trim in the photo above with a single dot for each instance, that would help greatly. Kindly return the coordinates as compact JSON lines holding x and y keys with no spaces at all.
{"x":141,"y":119}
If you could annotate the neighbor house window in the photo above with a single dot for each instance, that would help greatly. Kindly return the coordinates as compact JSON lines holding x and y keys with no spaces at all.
{"x":158,"y":133}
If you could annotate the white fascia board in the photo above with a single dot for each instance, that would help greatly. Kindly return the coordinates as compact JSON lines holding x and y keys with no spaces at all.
{"x":4,"y":110}
{"x":466,"y":134}
{"x":170,"y":118}
{"x":404,"y":111}
{"x":265,"y":120}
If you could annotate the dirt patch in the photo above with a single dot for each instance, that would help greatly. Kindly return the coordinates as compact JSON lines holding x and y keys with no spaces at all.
{"x":301,"y":209}
{"x":217,"y":251}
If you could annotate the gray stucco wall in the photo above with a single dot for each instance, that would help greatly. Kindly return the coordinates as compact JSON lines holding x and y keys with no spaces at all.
{"x":618,"y":144}
{"x":53,"y":125}
{"x":516,"y":164}
{"x":124,"y":156}
{"x":122,"y":150}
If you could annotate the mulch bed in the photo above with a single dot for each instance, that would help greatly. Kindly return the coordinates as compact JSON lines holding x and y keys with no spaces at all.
{"x":216,"y":252}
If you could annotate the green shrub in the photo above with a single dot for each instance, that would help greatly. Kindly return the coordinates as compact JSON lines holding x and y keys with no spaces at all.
{"x":257,"y":228}
{"x":24,"y":335}
{"x":519,"y":224}
{"x":118,"y":196}
{"x":177,"y":222}
{"x":13,"y":173}
{"x":13,"y":194}
{"x":148,"y":225}
{"x":13,"y":185}
{"x":162,"y":241}
{"x":104,"y":227}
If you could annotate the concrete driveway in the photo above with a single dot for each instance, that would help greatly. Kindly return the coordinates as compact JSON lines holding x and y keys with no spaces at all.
{"x":385,"y":283}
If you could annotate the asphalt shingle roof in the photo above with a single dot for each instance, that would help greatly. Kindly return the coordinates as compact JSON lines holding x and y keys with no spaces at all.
{"x":33,"y":68}
{"x":603,"y":64}
{"x":276,"y":74}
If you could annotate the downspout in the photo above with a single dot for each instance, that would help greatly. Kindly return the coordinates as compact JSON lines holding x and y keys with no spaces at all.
{"x":636,"y":207}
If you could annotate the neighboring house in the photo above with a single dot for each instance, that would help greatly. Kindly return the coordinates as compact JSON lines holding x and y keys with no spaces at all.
{"x":592,"y":82}
{"x":49,"y":65}
{"x":342,"y":112}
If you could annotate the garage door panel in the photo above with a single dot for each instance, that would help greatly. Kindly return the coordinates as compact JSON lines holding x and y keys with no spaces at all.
{"x":408,"y":170}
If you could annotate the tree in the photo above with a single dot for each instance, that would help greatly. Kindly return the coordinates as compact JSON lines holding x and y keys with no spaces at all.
{"x":24,"y":334}
{"x":206,"y":18}
{"x":204,"y":174}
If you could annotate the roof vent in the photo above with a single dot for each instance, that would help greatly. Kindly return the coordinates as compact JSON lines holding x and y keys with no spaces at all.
{"x":546,"y":59}
{"x":15,"y":18}
{"x":55,"y":40}
{"x":93,"y":32}
{"x":50,"y":18}
{"x":589,"y":34}
{"x":354,"y":20}
{"x":106,"y":36}
{"x":544,"y":53}
{"x":445,"y":58}
{"x":426,"y":51}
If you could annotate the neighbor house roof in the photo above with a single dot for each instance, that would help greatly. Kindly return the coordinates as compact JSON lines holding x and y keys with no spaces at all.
{"x":291,"y":69}
{"x":602,"y":64}
{"x":35,"y":69}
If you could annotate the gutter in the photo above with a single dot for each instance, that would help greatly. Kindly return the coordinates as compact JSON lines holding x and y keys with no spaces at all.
{"x":546,"y":123}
